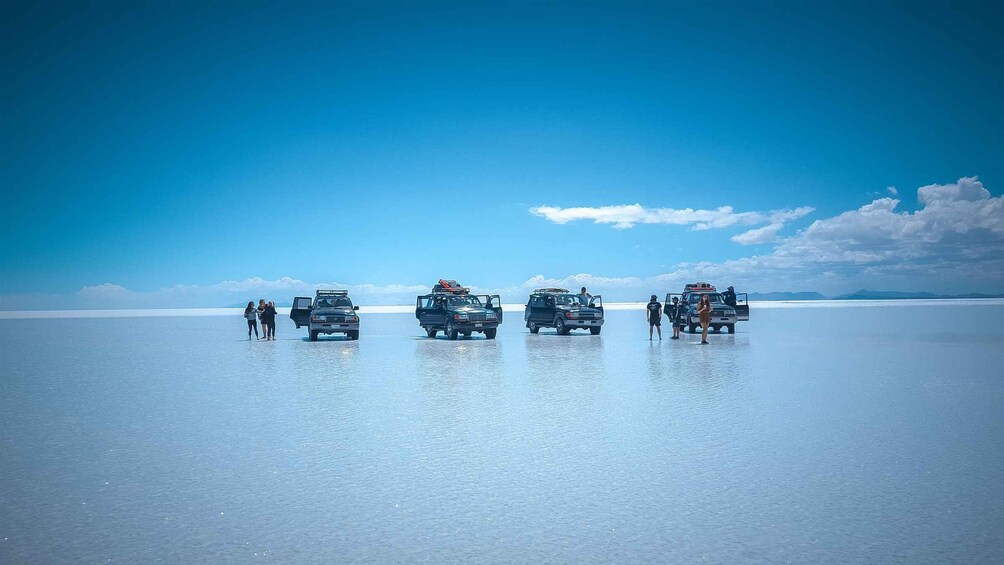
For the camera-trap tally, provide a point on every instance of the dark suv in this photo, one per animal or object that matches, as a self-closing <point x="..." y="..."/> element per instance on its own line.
<point x="330" y="312"/>
<point x="453" y="310"/>
<point x="559" y="309"/>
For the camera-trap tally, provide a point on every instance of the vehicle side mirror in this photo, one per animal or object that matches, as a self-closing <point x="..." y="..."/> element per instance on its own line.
<point x="355" y="307"/>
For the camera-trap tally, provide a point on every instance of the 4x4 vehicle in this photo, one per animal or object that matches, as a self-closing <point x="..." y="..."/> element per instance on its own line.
<point x="557" y="308"/>
<point x="330" y="312"/>
<point x="452" y="309"/>
<point x="722" y="314"/>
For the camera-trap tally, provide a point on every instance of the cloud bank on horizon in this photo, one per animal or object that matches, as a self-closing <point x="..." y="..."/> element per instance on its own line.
<point x="957" y="233"/>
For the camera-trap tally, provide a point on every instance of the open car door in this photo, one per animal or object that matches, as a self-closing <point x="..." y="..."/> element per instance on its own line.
<point x="596" y="302"/>
<point x="300" y="312"/>
<point x="742" y="307"/>
<point x="492" y="302"/>
<point x="430" y="310"/>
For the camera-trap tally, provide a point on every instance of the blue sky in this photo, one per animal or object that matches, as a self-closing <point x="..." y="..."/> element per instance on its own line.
<point x="385" y="145"/>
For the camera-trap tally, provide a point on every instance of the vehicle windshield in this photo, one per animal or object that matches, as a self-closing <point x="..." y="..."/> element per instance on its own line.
<point x="333" y="302"/>
<point x="566" y="300"/>
<point x="712" y="296"/>
<point x="462" y="301"/>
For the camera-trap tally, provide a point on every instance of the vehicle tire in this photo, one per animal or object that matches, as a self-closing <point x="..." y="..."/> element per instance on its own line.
<point x="467" y="335"/>
<point x="353" y="335"/>
<point x="595" y="331"/>
<point x="451" y="332"/>
<point x="490" y="333"/>
<point x="716" y="329"/>
<point x="431" y="332"/>
<point x="534" y="328"/>
<point x="731" y="328"/>
<point x="559" y="324"/>
<point x="313" y="336"/>
<point x="692" y="328"/>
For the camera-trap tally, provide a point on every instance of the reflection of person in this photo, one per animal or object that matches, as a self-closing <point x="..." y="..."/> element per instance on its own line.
<point x="729" y="296"/>
<point x="654" y="311"/>
<point x="270" y="316"/>
<point x="252" y="317"/>
<point x="704" y="313"/>
<point x="676" y="317"/>
<point x="584" y="297"/>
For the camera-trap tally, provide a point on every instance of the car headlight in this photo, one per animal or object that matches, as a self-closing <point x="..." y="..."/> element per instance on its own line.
<point x="316" y="318"/>
<point x="462" y="317"/>
<point x="491" y="314"/>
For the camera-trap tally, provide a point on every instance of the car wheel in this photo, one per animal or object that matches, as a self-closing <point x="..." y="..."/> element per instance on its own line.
<point x="534" y="328"/>
<point x="692" y="328"/>
<point x="559" y="324"/>
<point x="354" y="335"/>
<point x="490" y="333"/>
<point x="595" y="331"/>
<point x="731" y="328"/>
<point x="431" y="332"/>
<point x="313" y="336"/>
<point x="451" y="332"/>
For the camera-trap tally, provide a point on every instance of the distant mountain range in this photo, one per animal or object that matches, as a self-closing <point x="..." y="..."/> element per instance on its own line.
<point x="864" y="295"/>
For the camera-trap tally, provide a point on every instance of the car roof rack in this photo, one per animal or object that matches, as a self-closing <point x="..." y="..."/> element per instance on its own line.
<point x="332" y="293"/>
<point x="699" y="287"/>
<point x="449" y="286"/>
<point x="551" y="291"/>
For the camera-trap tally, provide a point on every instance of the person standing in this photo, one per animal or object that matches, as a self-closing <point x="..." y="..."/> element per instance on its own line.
<point x="261" y="317"/>
<point x="252" y="317"/>
<point x="654" y="311"/>
<point x="270" y="319"/>
<point x="704" y="314"/>
<point x="729" y="297"/>
<point x="584" y="297"/>
<point x="676" y="317"/>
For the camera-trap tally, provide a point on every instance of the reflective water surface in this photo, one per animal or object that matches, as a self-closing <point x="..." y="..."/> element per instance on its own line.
<point x="836" y="434"/>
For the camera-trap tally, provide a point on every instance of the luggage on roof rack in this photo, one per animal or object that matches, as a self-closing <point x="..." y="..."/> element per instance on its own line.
<point x="699" y="287"/>
<point x="551" y="291"/>
<point x="450" y="286"/>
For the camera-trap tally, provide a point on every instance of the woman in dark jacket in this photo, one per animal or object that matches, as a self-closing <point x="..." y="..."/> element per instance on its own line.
<point x="269" y="317"/>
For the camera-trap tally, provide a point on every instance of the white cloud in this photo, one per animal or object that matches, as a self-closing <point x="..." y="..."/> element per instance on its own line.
<point x="627" y="216"/>
<point x="769" y="233"/>
<point x="766" y="234"/>
<point x="968" y="189"/>
<point x="957" y="235"/>
<point x="892" y="190"/>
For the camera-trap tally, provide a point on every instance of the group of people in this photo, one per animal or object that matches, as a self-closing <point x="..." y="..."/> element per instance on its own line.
<point x="265" y="313"/>
<point x="677" y="314"/>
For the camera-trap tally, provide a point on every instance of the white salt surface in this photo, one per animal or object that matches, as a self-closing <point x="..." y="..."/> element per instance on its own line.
<point x="850" y="432"/>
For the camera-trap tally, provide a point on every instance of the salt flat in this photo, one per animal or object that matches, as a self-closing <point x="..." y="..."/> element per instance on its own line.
<point x="856" y="432"/>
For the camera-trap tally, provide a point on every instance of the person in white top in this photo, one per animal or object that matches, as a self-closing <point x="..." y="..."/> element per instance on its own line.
<point x="251" y="315"/>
